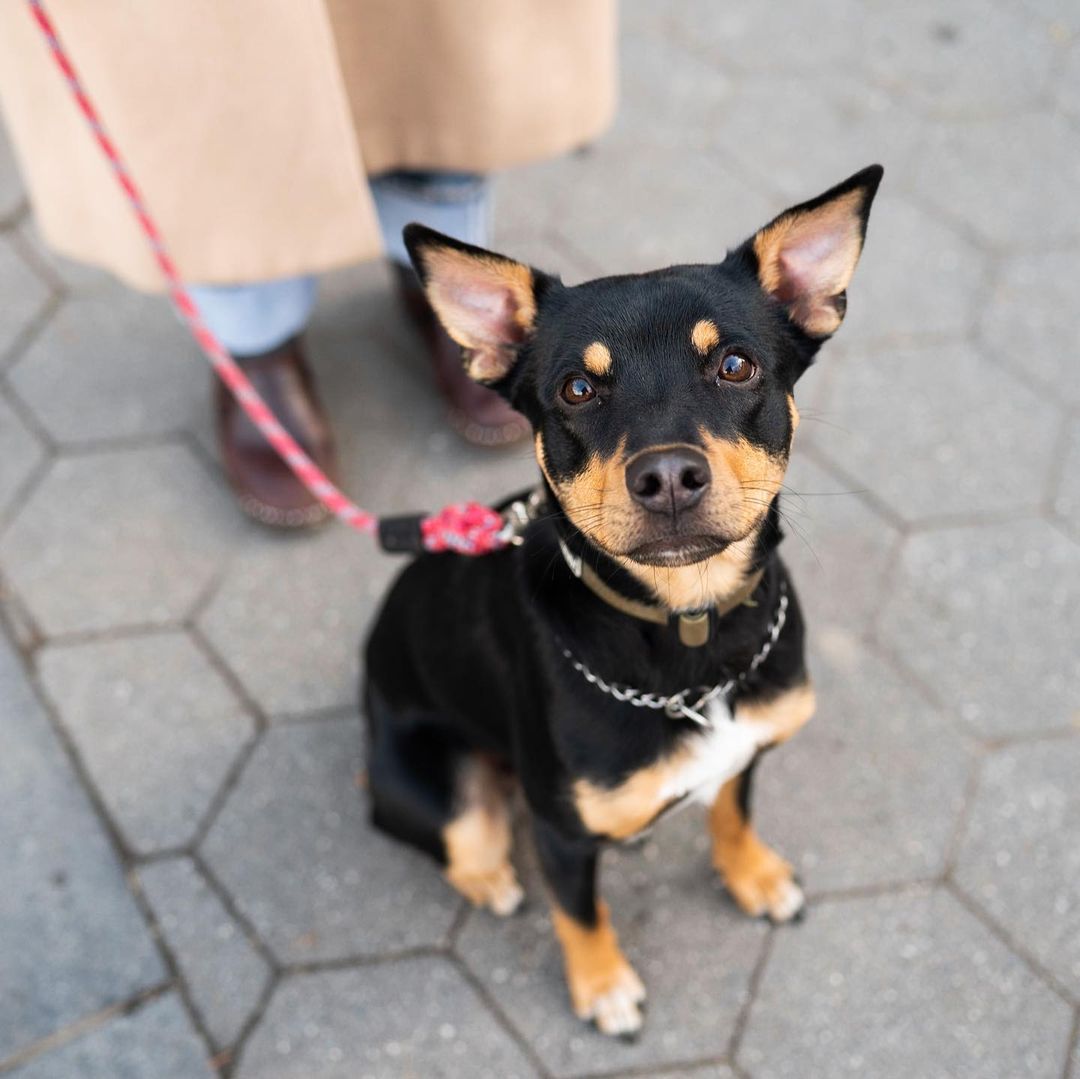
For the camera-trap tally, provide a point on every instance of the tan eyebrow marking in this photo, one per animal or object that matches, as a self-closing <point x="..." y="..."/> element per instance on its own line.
<point x="705" y="336"/>
<point x="597" y="358"/>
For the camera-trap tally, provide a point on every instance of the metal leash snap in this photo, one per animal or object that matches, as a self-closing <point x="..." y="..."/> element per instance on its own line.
<point x="518" y="516"/>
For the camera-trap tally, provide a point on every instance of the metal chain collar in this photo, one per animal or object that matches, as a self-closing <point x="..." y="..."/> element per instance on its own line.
<point x="675" y="704"/>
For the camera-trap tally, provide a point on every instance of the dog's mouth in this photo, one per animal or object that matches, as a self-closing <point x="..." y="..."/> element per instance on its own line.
<point x="677" y="550"/>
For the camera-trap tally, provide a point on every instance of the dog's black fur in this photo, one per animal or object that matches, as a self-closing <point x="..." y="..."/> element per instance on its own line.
<point x="466" y="660"/>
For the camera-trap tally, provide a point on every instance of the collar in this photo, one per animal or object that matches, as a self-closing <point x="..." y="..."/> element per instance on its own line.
<point x="693" y="625"/>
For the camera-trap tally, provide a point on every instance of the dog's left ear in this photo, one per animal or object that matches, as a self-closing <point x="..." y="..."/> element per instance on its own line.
<point x="806" y="256"/>
<point x="486" y="303"/>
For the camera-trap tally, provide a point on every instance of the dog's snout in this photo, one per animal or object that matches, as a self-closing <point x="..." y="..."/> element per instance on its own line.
<point x="668" y="480"/>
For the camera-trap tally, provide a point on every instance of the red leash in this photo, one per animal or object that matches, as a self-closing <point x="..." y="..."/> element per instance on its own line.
<point x="468" y="528"/>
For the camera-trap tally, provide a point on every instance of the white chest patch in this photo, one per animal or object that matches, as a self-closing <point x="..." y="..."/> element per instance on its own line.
<point x="717" y="755"/>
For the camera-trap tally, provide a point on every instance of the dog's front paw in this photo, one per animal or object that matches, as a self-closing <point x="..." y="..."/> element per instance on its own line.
<point x="498" y="889"/>
<point x="764" y="884"/>
<point x="612" y="1001"/>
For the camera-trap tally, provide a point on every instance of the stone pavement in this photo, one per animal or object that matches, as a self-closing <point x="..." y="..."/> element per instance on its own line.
<point x="189" y="885"/>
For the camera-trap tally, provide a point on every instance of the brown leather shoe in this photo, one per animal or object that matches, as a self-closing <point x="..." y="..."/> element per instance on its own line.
<point x="478" y="414"/>
<point x="265" y="487"/>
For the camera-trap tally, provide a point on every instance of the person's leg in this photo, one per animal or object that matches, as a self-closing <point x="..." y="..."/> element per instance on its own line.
<point x="260" y="324"/>
<point x="459" y="205"/>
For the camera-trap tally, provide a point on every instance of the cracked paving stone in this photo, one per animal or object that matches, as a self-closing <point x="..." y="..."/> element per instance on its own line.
<point x="413" y="1017"/>
<point x="855" y="800"/>
<point x="899" y="986"/>
<point x="294" y="849"/>
<point x="677" y="928"/>
<point x="25" y="296"/>
<point x="20" y="454"/>
<point x="1032" y="308"/>
<point x="118" y="538"/>
<point x="114" y="365"/>
<point x="72" y="941"/>
<point x="964" y="173"/>
<point x="1067" y="497"/>
<point x="225" y="975"/>
<point x="968" y="439"/>
<point x="982" y="617"/>
<point x="1020" y="860"/>
<point x="837" y="549"/>
<point x="155" y="1042"/>
<point x="155" y="725"/>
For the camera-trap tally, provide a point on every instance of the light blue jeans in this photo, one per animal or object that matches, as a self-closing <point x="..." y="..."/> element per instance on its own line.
<point x="257" y="317"/>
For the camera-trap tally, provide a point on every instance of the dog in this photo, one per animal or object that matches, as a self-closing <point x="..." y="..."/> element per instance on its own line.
<point x="641" y="645"/>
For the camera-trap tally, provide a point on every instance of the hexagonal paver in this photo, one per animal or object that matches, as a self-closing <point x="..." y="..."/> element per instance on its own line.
<point x="678" y="929"/>
<point x="1067" y="496"/>
<point x="25" y="297"/>
<point x="898" y="986"/>
<point x="225" y="974"/>
<point x="837" y="549"/>
<point x="71" y="937"/>
<point x="156" y="1040"/>
<point x="1028" y="325"/>
<point x="987" y="617"/>
<point x="962" y="170"/>
<point x="1020" y="859"/>
<point x="938" y="431"/>
<point x="294" y="848"/>
<point x="20" y="454"/>
<point x="821" y="129"/>
<point x="856" y="800"/>
<point x="114" y="365"/>
<point x="156" y="726"/>
<point x="118" y="538"/>
<point x="415" y="1017"/>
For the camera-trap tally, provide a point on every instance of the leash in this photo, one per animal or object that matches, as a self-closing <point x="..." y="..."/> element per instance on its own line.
<point x="468" y="528"/>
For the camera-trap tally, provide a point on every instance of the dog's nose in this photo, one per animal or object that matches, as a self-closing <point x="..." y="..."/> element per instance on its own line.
<point x="668" y="480"/>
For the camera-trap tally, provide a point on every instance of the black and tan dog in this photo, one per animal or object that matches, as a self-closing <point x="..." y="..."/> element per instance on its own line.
<point x="643" y="645"/>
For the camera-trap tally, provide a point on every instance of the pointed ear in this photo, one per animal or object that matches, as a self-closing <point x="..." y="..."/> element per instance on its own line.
<point x="485" y="302"/>
<point x="806" y="256"/>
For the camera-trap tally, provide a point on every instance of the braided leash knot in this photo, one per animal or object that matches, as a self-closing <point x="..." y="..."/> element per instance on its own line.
<point x="465" y="527"/>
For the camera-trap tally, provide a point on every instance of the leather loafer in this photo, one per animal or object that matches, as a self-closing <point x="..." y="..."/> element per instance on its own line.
<point x="477" y="413"/>
<point x="265" y="486"/>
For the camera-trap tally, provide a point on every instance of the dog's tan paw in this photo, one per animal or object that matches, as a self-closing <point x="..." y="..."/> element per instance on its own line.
<point x="613" y="1002"/>
<point x="497" y="890"/>
<point x="764" y="885"/>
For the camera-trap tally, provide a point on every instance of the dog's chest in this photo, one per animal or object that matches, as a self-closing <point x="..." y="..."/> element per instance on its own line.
<point x="695" y="771"/>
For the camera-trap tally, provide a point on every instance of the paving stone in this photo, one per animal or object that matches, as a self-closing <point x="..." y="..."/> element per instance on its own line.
<point x="900" y="432"/>
<point x="156" y="726"/>
<point x="985" y="616"/>
<point x="156" y="1041"/>
<point x="119" y="538"/>
<point x="856" y="800"/>
<point x="821" y="128"/>
<point x="1031" y="309"/>
<point x="415" y="1017"/>
<point x="20" y="454"/>
<point x="683" y="936"/>
<point x="294" y="849"/>
<point x="1020" y="860"/>
<point x="1067" y="497"/>
<point x="224" y="973"/>
<point x="25" y="297"/>
<point x="963" y="172"/>
<point x="901" y="986"/>
<point x="1069" y="90"/>
<point x="837" y="549"/>
<point x="74" y="278"/>
<point x="113" y="365"/>
<point x="71" y="937"/>
<point x="11" y="190"/>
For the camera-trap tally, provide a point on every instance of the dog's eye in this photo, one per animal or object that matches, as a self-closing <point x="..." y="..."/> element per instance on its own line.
<point x="735" y="368"/>
<point x="577" y="390"/>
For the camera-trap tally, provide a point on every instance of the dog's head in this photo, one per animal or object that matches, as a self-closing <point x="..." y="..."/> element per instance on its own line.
<point x="662" y="403"/>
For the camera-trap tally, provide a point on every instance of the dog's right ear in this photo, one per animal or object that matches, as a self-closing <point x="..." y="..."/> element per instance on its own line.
<point x="486" y="303"/>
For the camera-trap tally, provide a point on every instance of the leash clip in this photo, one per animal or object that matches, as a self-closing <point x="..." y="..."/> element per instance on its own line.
<point x="518" y="516"/>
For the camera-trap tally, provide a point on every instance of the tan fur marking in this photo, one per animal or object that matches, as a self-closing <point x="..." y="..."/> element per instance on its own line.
<point x="705" y="336"/>
<point x="786" y="713"/>
<point x="622" y="811"/>
<point x="477" y="842"/>
<point x="794" y="414"/>
<point x="597" y="359"/>
<point x="594" y="964"/>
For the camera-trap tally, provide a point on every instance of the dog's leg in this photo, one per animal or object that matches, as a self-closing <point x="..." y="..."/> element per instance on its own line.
<point x="603" y="986"/>
<point x="759" y="880"/>
<point x="477" y="840"/>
